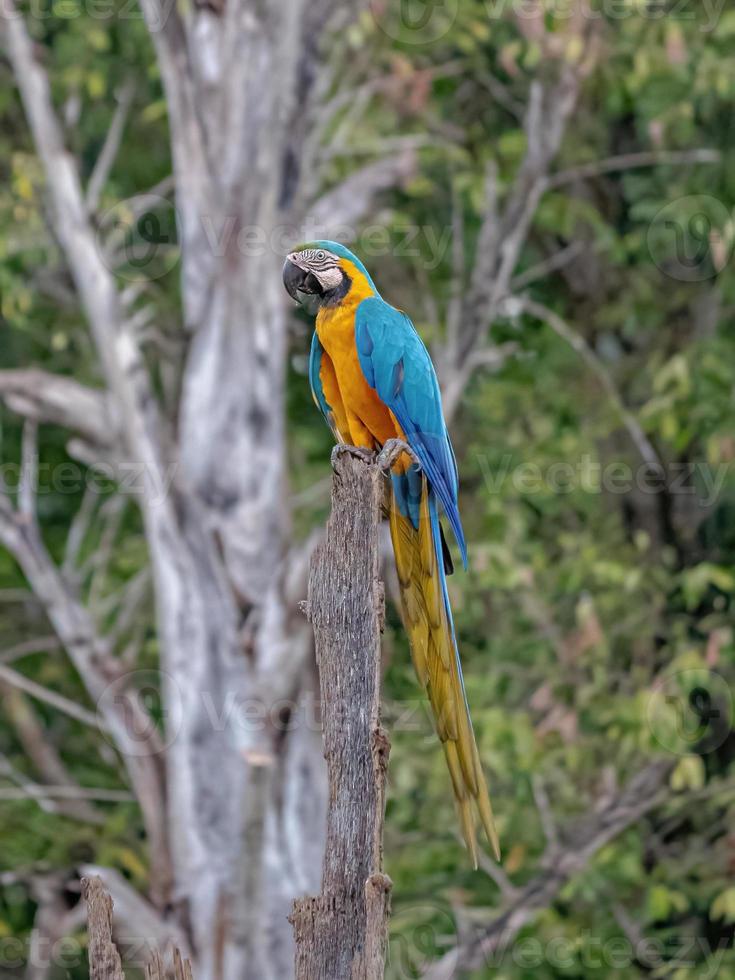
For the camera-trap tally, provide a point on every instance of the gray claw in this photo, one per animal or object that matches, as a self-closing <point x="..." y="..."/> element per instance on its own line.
<point x="390" y="452"/>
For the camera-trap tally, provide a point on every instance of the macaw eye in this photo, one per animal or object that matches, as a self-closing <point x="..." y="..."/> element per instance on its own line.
<point x="321" y="255"/>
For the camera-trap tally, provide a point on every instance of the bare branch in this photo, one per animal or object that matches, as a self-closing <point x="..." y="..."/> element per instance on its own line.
<point x="28" y="484"/>
<point x="456" y="291"/>
<point x="456" y="379"/>
<point x="58" y="701"/>
<point x="644" y="793"/>
<point x="78" y="531"/>
<point x="52" y="398"/>
<point x="488" y="240"/>
<point x="384" y="148"/>
<point x="128" y="603"/>
<point x="27" y="789"/>
<point x="112" y="512"/>
<point x="350" y="201"/>
<point x="503" y="238"/>
<point x="37" y="644"/>
<point x="491" y="357"/>
<point x="548" y="266"/>
<point x="493" y="870"/>
<point x="520" y="304"/>
<point x="632" y="161"/>
<point x="128" y="722"/>
<point x="61" y="793"/>
<point x="250" y="935"/>
<point x="545" y="815"/>
<point x="502" y="94"/>
<point x="108" y="154"/>
<point x="42" y="752"/>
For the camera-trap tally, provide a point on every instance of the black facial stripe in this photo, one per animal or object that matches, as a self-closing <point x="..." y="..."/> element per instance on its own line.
<point x="333" y="296"/>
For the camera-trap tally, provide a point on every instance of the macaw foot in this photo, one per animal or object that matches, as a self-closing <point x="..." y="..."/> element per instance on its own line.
<point x="341" y="449"/>
<point x="392" y="450"/>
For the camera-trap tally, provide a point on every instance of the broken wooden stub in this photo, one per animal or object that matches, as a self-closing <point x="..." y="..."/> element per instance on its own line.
<point x="104" y="958"/>
<point x="341" y="934"/>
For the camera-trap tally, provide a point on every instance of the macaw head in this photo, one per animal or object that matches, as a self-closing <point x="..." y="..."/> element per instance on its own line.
<point x="322" y="273"/>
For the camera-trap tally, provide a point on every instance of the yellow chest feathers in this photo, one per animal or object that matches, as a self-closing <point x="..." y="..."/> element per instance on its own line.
<point x="335" y="325"/>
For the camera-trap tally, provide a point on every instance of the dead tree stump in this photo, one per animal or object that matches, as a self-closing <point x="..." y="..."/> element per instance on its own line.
<point x="341" y="934"/>
<point x="104" y="958"/>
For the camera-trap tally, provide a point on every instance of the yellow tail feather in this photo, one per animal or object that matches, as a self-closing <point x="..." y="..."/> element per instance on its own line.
<point x="435" y="658"/>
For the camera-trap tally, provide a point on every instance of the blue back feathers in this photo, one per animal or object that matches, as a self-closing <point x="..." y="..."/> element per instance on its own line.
<point x="398" y="366"/>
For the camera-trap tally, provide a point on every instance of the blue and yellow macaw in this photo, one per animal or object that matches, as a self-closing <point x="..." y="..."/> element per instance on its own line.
<point x="373" y="380"/>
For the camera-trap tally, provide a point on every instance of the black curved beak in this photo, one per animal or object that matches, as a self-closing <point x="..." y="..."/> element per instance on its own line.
<point x="293" y="278"/>
<point x="298" y="281"/>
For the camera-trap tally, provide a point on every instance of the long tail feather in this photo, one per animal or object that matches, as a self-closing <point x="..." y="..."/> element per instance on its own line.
<point x="428" y="620"/>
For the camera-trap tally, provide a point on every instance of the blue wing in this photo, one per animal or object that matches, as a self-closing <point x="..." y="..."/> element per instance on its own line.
<point x="398" y="366"/>
<point x="315" y="364"/>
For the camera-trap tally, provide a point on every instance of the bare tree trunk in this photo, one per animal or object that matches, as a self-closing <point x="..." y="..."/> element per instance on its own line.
<point x="342" y="932"/>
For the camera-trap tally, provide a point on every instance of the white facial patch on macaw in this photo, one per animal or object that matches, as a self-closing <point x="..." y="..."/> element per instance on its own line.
<point x="321" y="264"/>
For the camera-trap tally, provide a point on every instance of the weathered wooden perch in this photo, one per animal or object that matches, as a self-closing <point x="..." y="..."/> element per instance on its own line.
<point x="104" y="959"/>
<point x="341" y="934"/>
